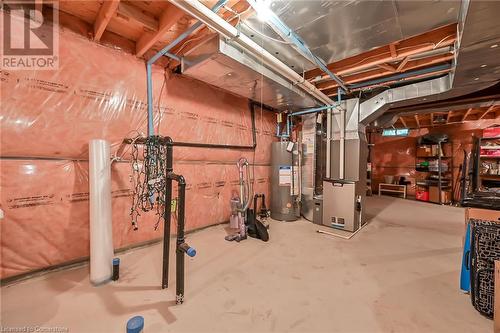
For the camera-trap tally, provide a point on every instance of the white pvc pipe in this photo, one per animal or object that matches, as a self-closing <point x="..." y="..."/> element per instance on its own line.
<point x="198" y="10"/>
<point x="342" y="145"/>
<point x="101" y="232"/>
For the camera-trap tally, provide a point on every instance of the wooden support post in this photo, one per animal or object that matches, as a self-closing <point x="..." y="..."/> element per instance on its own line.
<point x="496" y="319"/>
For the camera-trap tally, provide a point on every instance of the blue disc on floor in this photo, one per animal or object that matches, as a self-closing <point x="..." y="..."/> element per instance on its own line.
<point x="135" y="324"/>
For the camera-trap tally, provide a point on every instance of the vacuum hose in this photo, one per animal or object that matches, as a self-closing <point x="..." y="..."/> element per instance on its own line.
<point x="246" y="188"/>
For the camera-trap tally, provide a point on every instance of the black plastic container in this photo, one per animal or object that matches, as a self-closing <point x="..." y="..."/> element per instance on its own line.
<point x="116" y="269"/>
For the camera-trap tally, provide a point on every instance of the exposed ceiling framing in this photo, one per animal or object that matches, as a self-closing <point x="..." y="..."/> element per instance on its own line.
<point x="145" y="27"/>
<point x="422" y="120"/>
<point x="419" y="52"/>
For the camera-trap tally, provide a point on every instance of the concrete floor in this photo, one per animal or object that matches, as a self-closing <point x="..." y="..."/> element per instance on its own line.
<point x="399" y="274"/>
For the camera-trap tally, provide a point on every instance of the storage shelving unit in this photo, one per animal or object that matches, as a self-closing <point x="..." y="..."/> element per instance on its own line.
<point x="444" y="181"/>
<point x="484" y="180"/>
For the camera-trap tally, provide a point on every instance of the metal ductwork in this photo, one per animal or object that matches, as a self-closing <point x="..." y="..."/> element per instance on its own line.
<point x="244" y="43"/>
<point x="221" y="63"/>
<point x="476" y="67"/>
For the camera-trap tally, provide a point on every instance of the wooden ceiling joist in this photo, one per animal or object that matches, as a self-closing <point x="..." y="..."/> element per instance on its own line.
<point x="132" y="13"/>
<point x="387" y="67"/>
<point x="241" y="7"/>
<point x="417" y="121"/>
<point x="402" y="120"/>
<point x="488" y="110"/>
<point x="105" y="14"/>
<point x="333" y="92"/>
<point x="378" y="73"/>
<point x="170" y="16"/>
<point x="402" y="64"/>
<point x="448" y="116"/>
<point x="445" y="35"/>
<point x="464" y="117"/>
<point x="393" y="50"/>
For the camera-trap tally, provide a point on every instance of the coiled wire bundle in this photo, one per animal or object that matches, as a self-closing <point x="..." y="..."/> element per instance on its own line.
<point x="149" y="161"/>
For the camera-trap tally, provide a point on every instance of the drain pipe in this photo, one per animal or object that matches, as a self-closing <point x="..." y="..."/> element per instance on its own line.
<point x="198" y="10"/>
<point x="164" y="52"/>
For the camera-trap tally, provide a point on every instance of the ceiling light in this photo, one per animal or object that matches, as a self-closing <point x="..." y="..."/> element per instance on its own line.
<point x="494" y="46"/>
<point x="483" y="65"/>
<point x="476" y="78"/>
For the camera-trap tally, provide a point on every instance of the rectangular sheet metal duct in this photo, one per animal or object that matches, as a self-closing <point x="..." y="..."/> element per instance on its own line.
<point x="221" y="64"/>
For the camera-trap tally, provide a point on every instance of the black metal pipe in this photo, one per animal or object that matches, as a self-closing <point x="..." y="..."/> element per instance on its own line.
<point x="167" y="211"/>
<point x="181" y="246"/>
<point x="251" y="107"/>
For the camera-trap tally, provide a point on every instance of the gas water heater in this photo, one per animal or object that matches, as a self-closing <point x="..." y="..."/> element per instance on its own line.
<point x="285" y="181"/>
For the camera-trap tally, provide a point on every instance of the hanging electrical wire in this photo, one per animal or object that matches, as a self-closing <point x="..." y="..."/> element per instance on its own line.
<point x="148" y="179"/>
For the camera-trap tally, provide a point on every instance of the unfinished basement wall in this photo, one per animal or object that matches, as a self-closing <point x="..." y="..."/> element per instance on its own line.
<point x="48" y="118"/>
<point x="395" y="156"/>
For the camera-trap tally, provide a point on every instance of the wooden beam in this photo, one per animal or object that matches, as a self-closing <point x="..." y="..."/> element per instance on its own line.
<point x="105" y="14"/>
<point x="86" y="29"/>
<point x="378" y="73"/>
<point x="387" y="67"/>
<point x="448" y="116"/>
<point x="242" y="7"/>
<point x="392" y="49"/>
<point x="464" y="117"/>
<point x="170" y="16"/>
<point x="131" y="13"/>
<point x="401" y="119"/>
<point x="486" y="112"/>
<point x="417" y="120"/>
<point x="411" y="46"/>
<point x="402" y="64"/>
<point x="496" y="301"/>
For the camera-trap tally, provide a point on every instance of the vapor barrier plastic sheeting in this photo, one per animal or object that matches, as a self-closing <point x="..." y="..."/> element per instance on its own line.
<point x="99" y="92"/>
<point x="46" y="206"/>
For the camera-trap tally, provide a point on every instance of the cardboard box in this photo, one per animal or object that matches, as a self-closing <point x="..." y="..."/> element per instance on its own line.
<point x="434" y="195"/>
<point x="424" y="151"/>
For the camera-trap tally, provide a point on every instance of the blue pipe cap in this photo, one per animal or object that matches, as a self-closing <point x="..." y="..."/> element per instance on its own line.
<point x="191" y="252"/>
<point x="135" y="324"/>
<point x="116" y="261"/>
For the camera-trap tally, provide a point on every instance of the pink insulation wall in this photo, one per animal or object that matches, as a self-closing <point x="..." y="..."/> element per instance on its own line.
<point x="395" y="156"/>
<point x="48" y="118"/>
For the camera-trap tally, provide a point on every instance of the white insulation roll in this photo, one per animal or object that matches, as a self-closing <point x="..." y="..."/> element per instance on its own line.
<point x="101" y="232"/>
